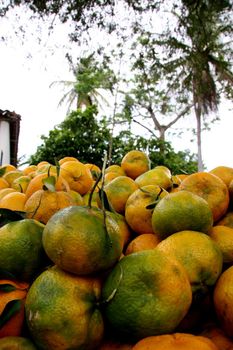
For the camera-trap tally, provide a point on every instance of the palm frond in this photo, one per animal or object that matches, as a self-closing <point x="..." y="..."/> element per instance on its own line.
<point x="62" y="82"/>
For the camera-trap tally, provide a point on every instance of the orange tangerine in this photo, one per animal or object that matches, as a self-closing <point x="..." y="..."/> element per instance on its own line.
<point x="10" y="176"/>
<point x="82" y="240"/>
<point x="226" y="220"/>
<point x="211" y="188"/>
<point x="225" y="173"/>
<point x="77" y="175"/>
<point x="3" y="183"/>
<point x="37" y="183"/>
<point x="125" y="231"/>
<point x="67" y="159"/>
<point x="143" y="242"/>
<point x="118" y="191"/>
<point x="29" y="169"/>
<point x="115" y="168"/>
<point x="42" y="164"/>
<point x="5" y="191"/>
<point x="21" y="250"/>
<point x="182" y="210"/>
<point x="135" y="163"/>
<point x="140" y="205"/>
<point x="223" y="237"/>
<point x="198" y="254"/>
<point x="13" y="201"/>
<point x="175" y="341"/>
<point x="43" y="204"/>
<point x="110" y="176"/>
<point x="62" y="311"/>
<point x="160" y="176"/>
<point x="146" y="293"/>
<point x="223" y="300"/>
<point x="230" y="188"/>
<point x="78" y="199"/>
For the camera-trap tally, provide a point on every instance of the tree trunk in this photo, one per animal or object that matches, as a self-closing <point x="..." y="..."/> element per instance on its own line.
<point x="162" y="138"/>
<point x="199" y="144"/>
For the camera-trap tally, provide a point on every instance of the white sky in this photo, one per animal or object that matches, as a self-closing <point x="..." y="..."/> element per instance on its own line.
<point x="24" y="88"/>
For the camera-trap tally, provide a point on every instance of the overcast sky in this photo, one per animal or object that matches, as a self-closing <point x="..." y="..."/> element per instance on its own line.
<point x="25" y="89"/>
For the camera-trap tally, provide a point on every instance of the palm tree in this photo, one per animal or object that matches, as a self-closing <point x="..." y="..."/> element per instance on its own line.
<point x="91" y="79"/>
<point x="202" y="55"/>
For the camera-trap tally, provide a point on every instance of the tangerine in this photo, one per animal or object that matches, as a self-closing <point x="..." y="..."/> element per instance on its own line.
<point x="142" y="242"/>
<point x="160" y="176"/>
<point x="146" y="293"/>
<point x="211" y="188"/>
<point x="82" y="240"/>
<point x="199" y="254"/>
<point x="175" y="341"/>
<point x="62" y="311"/>
<point x="182" y="210"/>
<point x="118" y="191"/>
<point x="21" y="250"/>
<point x="223" y="300"/>
<point x="77" y="175"/>
<point x="140" y="205"/>
<point x="134" y="163"/>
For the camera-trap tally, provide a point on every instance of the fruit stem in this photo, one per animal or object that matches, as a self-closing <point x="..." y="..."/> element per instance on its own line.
<point x="102" y="198"/>
<point x="102" y="187"/>
<point x="93" y="189"/>
<point x="58" y="167"/>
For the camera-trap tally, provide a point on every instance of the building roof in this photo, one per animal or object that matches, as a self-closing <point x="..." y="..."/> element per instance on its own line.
<point x="14" y="120"/>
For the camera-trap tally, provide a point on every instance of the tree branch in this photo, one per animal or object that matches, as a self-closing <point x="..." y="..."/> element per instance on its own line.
<point x="180" y="115"/>
<point x="145" y="127"/>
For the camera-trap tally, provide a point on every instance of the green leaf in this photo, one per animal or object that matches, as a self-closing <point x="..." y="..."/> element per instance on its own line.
<point x="146" y="192"/>
<point x="152" y="205"/>
<point x="93" y="189"/>
<point x="7" y="288"/>
<point x="104" y="201"/>
<point x="10" y="310"/>
<point x="49" y="183"/>
<point x="2" y="171"/>
<point x="95" y="174"/>
<point x="8" y="215"/>
<point x="157" y="199"/>
<point x="21" y="188"/>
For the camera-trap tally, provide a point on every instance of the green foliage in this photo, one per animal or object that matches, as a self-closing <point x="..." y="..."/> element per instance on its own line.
<point x="181" y="162"/>
<point x="156" y="99"/>
<point x="83" y="136"/>
<point x="85" y="14"/>
<point x="76" y="136"/>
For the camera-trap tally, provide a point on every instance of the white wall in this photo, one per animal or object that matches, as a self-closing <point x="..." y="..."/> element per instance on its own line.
<point x="5" y="141"/>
